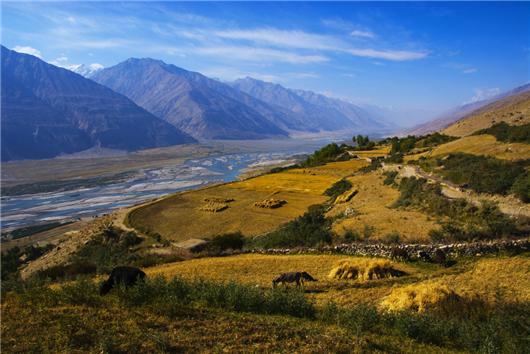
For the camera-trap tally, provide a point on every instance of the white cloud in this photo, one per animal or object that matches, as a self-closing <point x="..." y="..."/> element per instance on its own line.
<point x="364" y="34"/>
<point x="28" y="50"/>
<point x="484" y="94"/>
<point x="292" y="39"/>
<point x="394" y="55"/>
<point x="304" y="40"/>
<point x="258" y="54"/>
<point x="469" y="71"/>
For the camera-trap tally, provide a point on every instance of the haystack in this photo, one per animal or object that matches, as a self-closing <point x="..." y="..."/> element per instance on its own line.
<point x="213" y="207"/>
<point x="346" y="197"/>
<point x="219" y="199"/>
<point x="426" y="296"/>
<point x="270" y="203"/>
<point x="365" y="269"/>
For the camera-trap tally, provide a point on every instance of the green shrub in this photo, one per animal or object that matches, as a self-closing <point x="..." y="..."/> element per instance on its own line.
<point x="363" y="142"/>
<point x="467" y="222"/>
<point x="328" y="153"/>
<point x="509" y="133"/>
<point x="521" y="187"/>
<point x="67" y="271"/>
<point x="480" y="173"/>
<point x="390" y="178"/>
<point x="230" y="241"/>
<point x="338" y="188"/>
<point x="80" y="292"/>
<point x="310" y="229"/>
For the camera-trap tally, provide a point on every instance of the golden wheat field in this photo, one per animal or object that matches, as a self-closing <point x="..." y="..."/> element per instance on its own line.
<point x="373" y="215"/>
<point x="486" y="278"/>
<point x="179" y="217"/>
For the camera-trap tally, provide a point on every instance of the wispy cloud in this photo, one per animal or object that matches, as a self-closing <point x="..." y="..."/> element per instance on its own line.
<point x="469" y="71"/>
<point x="463" y="68"/>
<point x="395" y="55"/>
<point x="484" y="94"/>
<point x="28" y="50"/>
<point x="253" y="54"/>
<point x="364" y="34"/>
<point x="305" y="40"/>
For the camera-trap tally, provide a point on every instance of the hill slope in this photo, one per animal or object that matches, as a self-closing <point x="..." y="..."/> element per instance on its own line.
<point x="463" y="112"/>
<point x="513" y="109"/>
<point x="48" y="111"/>
<point x="200" y="106"/>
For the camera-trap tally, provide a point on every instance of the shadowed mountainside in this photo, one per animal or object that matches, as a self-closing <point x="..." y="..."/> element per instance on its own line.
<point x="200" y="106"/>
<point x="48" y="111"/>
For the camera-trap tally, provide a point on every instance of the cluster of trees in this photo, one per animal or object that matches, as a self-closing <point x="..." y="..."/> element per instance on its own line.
<point x="509" y="133"/>
<point x="363" y="142"/>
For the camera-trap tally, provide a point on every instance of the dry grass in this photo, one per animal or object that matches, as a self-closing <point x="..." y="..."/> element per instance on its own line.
<point x="485" y="145"/>
<point x="364" y="269"/>
<point x="346" y="197"/>
<point x="213" y="207"/>
<point x="514" y="110"/>
<point x="372" y="203"/>
<point x="484" y="277"/>
<point x="177" y="217"/>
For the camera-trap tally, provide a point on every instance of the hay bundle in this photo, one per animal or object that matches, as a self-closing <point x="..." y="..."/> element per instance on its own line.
<point x="427" y="296"/>
<point x="213" y="207"/>
<point x="218" y="200"/>
<point x="270" y="203"/>
<point x="346" y="197"/>
<point x="364" y="269"/>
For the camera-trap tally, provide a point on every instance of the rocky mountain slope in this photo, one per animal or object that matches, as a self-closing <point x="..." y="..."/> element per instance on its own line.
<point x="200" y="106"/>
<point x="48" y="111"/>
<point x="312" y="111"/>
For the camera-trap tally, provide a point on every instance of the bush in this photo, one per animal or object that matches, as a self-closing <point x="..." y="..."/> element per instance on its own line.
<point x="230" y="241"/>
<point x="338" y="188"/>
<point x="363" y="142"/>
<point x="521" y="187"/>
<point x="390" y="178"/>
<point x="67" y="271"/>
<point x="466" y="221"/>
<point x="509" y="133"/>
<point x="480" y="173"/>
<point x="310" y="229"/>
<point x="328" y="153"/>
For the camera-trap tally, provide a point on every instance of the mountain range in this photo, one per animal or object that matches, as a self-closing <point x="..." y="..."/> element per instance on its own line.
<point x="48" y="111"/>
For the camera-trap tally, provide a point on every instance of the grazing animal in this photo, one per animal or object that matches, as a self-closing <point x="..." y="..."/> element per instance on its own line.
<point x="121" y="275"/>
<point x="399" y="254"/>
<point x="439" y="256"/>
<point x="293" y="277"/>
<point x="424" y="256"/>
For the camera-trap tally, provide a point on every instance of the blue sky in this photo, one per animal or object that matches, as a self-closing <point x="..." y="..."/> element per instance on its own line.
<point x="420" y="58"/>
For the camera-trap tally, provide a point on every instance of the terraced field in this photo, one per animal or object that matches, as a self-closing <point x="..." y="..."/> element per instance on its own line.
<point x="178" y="217"/>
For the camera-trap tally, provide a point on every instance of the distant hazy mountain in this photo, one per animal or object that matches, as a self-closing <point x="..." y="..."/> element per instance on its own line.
<point x="459" y="113"/>
<point x="84" y="69"/>
<point x="48" y="111"/>
<point x="312" y="111"/>
<point x="200" y="106"/>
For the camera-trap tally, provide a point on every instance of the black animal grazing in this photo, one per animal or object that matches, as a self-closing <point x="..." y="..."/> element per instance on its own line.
<point x="439" y="256"/>
<point x="121" y="275"/>
<point x="424" y="256"/>
<point x="399" y="254"/>
<point x="293" y="277"/>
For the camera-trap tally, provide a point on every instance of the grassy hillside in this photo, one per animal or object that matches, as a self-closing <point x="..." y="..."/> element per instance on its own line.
<point x="514" y="110"/>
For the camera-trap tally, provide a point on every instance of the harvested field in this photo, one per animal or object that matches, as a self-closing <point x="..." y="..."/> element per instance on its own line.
<point x="346" y="197"/>
<point x="373" y="217"/>
<point x="178" y="217"/>
<point x="486" y="277"/>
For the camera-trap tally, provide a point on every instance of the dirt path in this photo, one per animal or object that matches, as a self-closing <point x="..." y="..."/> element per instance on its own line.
<point x="507" y="204"/>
